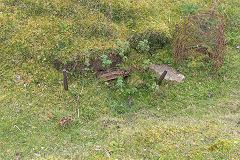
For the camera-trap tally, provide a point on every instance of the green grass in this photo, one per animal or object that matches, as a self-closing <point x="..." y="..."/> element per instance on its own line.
<point x="174" y="121"/>
<point x="197" y="119"/>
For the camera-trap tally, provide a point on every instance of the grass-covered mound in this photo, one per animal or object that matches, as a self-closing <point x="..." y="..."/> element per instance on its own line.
<point x="46" y="29"/>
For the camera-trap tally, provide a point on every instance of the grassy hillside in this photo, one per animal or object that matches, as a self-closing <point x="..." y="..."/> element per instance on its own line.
<point x="45" y="29"/>
<point x="127" y="119"/>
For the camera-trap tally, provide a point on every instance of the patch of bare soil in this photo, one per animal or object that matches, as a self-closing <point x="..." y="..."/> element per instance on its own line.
<point x="95" y="64"/>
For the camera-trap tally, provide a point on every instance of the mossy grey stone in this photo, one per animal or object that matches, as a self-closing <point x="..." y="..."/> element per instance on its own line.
<point x="172" y="74"/>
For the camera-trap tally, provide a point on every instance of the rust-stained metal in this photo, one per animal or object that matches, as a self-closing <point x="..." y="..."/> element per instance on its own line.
<point x="65" y="81"/>
<point x="56" y="63"/>
<point x="162" y="77"/>
<point x="201" y="33"/>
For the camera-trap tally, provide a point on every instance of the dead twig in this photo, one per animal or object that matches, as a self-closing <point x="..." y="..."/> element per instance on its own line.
<point x="82" y="88"/>
<point x="17" y="127"/>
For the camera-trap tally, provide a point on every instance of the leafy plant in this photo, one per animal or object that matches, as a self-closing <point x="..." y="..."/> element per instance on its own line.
<point x="146" y="63"/>
<point x="168" y="60"/>
<point x="124" y="48"/>
<point x="143" y="46"/>
<point x="120" y="83"/>
<point x="180" y="69"/>
<point x="105" y="61"/>
<point x="152" y="86"/>
<point x="131" y="91"/>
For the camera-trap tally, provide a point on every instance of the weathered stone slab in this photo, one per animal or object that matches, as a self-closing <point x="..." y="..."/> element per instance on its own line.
<point x="172" y="74"/>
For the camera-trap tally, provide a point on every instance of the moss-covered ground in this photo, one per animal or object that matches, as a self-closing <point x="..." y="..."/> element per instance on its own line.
<point x="197" y="119"/>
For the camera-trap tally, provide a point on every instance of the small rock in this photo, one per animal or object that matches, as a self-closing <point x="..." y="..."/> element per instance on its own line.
<point x="37" y="155"/>
<point x="18" y="77"/>
<point x="238" y="47"/>
<point x="172" y="74"/>
<point x="193" y="143"/>
<point x="64" y="152"/>
<point x="210" y="94"/>
<point x="17" y="156"/>
<point x="97" y="148"/>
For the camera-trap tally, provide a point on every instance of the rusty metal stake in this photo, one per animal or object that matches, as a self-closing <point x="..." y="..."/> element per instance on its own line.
<point x="162" y="77"/>
<point x="65" y="79"/>
<point x="56" y="63"/>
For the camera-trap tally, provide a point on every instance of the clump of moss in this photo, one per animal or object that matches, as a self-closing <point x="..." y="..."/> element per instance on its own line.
<point x="120" y="10"/>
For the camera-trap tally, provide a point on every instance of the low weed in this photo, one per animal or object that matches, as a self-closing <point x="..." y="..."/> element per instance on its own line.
<point x="105" y="61"/>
